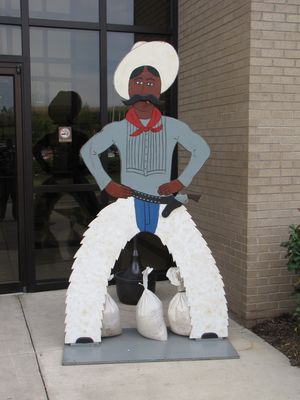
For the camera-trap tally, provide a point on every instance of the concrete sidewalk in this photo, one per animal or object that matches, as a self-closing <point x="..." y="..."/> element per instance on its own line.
<point x="32" y="336"/>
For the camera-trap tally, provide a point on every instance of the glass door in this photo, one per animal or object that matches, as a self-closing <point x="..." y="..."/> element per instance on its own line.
<point x="11" y="191"/>
<point x="65" y="101"/>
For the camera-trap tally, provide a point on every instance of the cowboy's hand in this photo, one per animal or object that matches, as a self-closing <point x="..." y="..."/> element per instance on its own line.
<point x="117" y="190"/>
<point x="170" y="187"/>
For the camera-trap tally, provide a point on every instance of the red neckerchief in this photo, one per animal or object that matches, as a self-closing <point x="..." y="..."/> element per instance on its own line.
<point x="134" y="120"/>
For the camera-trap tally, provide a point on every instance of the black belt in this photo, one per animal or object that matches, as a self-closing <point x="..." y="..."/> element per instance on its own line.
<point x="170" y="201"/>
<point x="151" y="198"/>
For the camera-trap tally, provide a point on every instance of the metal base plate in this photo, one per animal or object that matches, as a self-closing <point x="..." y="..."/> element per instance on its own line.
<point x="130" y="347"/>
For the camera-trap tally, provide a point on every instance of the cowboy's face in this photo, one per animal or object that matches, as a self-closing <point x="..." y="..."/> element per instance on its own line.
<point x="144" y="84"/>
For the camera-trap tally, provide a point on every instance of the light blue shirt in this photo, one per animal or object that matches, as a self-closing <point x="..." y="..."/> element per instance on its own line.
<point x="146" y="160"/>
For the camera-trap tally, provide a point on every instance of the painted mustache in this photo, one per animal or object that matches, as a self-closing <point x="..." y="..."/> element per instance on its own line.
<point x="138" y="97"/>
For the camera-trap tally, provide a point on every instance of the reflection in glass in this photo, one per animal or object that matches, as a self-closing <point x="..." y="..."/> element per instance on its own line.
<point x="10" y="40"/>
<point x="58" y="232"/>
<point x="68" y="10"/>
<point x="65" y="113"/>
<point x="10" y="8"/>
<point x="139" y="12"/>
<point x="8" y="207"/>
<point x="118" y="45"/>
<point x="66" y="62"/>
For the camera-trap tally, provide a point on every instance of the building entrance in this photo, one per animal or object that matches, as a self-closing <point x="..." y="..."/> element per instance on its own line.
<point x="56" y="91"/>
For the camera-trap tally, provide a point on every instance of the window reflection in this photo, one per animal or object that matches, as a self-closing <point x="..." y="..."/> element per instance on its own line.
<point x="118" y="45"/>
<point x="69" y="10"/>
<point x="63" y="61"/>
<point x="139" y="12"/>
<point x="60" y="218"/>
<point x="10" y="8"/>
<point x="58" y="232"/>
<point x="65" y="113"/>
<point x="10" y="40"/>
<point x="57" y="152"/>
<point x="8" y="177"/>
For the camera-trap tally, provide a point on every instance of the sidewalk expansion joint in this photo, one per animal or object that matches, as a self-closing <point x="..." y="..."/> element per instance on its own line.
<point x="34" y="349"/>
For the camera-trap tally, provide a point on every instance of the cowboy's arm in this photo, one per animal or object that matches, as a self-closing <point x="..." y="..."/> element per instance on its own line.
<point x="91" y="152"/>
<point x="199" y="150"/>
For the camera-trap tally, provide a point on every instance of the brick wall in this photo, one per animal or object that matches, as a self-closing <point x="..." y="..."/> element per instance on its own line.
<point x="239" y="87"/>
<point x="214" y="48"/>
<point x="274" y="153"/>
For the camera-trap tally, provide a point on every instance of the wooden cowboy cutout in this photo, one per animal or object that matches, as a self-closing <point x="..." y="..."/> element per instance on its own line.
<point x="146" y="141"/>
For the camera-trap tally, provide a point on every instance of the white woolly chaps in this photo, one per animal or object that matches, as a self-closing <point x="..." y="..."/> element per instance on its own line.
<point x="103" y="241"/>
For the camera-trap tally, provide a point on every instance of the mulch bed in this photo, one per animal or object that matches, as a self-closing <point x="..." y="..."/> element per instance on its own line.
<point x="283" y="333"/>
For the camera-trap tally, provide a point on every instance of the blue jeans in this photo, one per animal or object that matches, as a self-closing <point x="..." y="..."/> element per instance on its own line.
<point x="146" y="214"/>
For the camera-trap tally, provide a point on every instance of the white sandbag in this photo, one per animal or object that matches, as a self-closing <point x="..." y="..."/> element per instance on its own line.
<point x="111" y="324"/>
<point x="173" y="274"/>
<point x="178" y="311"/>
<point x="179" y="315"/>
<point x="149" y="313"/>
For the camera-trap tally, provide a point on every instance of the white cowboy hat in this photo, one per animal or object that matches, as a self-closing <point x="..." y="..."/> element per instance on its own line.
<point x="160" y="55"/>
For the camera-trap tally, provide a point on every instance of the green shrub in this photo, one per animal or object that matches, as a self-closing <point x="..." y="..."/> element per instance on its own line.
<point x="293" y="254"/>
